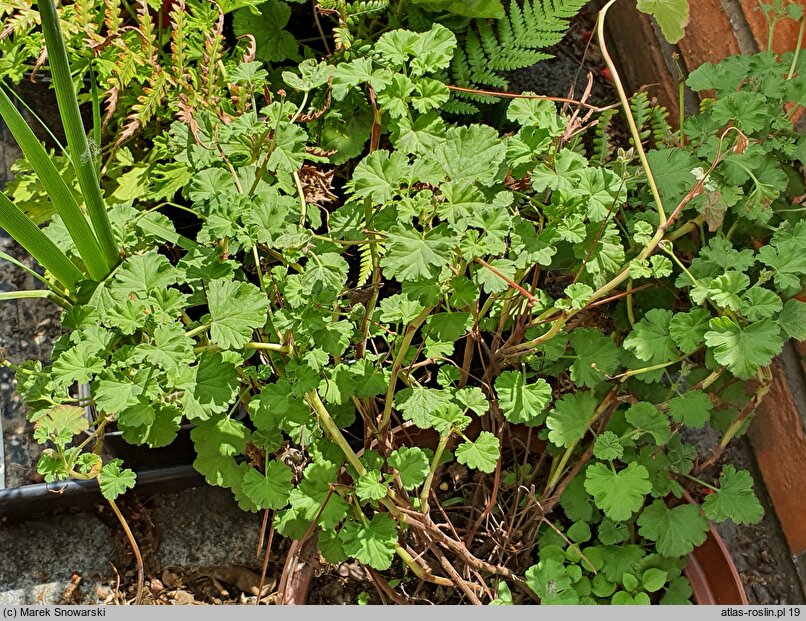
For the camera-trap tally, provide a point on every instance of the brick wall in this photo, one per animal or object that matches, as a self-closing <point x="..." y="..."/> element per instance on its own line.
<point x="716" y="29"/>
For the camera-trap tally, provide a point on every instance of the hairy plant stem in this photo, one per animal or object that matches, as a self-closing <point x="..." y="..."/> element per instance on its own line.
<point x="61" y="293"/>
<point x="36" y="294"/>
<point x="303" y="204"/>
<point x="419" y="571"/>
<point x="443" y="442"/>
<point x="765" y="378"/>
<point x="197" y="330"/>
<point x="332" y="429"/>
<point x="796" y="54"/>
<point x="397" y="365"/>
<point x="699" y="481"/>
<point x="256" y="256"/>
<point x="505" y="95"/>
<point x="625" y="103"/>
<point x="655" y="367"/>
<point x="630" y="309"/>
<point x="135" y="548"/>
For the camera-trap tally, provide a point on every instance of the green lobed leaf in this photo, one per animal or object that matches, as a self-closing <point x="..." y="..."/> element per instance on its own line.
<point x="209" y="387"/>
<point x="618" y="493"/>
<point x="607" y="447"/>
<point x="379" y="175"/>
<point x="521" y="402"/>
<point x="647" y="418"/>
<point x="743" y="349"/>
<point x="237" y="309"/>
<point x="550" y="580"/>
<point x="735" y="499"/>
<point x="60" y="424"/>
<point x="411" y="464"/>
<point x="416" y="404"/>
<point x="650" y="339"/>
<point x="114" y="480"/>
<point x="688" y="329"/>
<point x="793" y="319"/>
<point x="412" y="255"/>
<point x="676" y="531"/>
<point x="597" y="357"/>
<point x="370" y="486"/>
<point x="481" y="454"/>
<point x="372" y="544"/>
<point x="218" y="442"/>
<point x="471" y="154"/>
<point x="568" y="421"/>
<point x="692" y="408"/>
<point x="270" y="490"/>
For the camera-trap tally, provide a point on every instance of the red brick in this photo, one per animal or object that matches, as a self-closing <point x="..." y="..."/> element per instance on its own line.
<point x="709" y="35"/>
<point x="786" y="30"/>
<point x="779" y="442"/>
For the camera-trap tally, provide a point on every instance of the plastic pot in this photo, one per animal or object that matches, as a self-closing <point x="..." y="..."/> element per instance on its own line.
<point x="18" y="504"/>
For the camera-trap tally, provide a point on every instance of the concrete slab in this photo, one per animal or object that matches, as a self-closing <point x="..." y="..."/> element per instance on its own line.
<point x="196" y="528"/>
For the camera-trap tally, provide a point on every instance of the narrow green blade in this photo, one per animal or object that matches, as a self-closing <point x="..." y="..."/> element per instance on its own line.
<point x="166" y="234"/>
<point x="30" y="294"/>
<point x="24" y="294"/>
<point x="77" y="143"/>
<point x="60" y="194"/>
<point x="28" y="235"/>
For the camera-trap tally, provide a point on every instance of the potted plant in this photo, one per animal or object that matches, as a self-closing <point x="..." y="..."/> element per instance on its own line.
<point x="366" y="265"/>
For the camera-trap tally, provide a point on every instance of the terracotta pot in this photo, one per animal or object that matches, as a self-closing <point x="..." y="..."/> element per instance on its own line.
<point x="711" y="571"/>
<point x="713" y="575"/>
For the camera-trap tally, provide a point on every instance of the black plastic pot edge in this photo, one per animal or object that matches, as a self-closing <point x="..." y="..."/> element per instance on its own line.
<point x="19" y="504"/>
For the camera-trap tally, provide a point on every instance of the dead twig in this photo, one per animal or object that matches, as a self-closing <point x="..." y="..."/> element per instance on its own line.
<point x="503" y="95"/>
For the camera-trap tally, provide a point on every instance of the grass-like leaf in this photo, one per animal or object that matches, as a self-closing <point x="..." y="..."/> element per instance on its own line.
<point x="62" y="197"/>
<point x="78" y="145"/>
<point x="28" y="235"/>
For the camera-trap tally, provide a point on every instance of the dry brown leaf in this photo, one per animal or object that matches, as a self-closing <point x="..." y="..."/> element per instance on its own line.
<point x="241" y="578"/>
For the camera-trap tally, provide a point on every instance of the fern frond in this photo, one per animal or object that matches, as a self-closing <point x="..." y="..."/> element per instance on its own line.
<point x="639" y="104"/>
<point x="365" y="269"/>
<point x="457" y="106"/>
<point x="602" y="147"/>
<point x="179" y="41"/>
<point x="364" y="8"/>
<point x="123" y="71"/>
<point x="23" y="18"/>
<point x="11" y="6"/>
<point x="658" y="121"/>
<point x="514" y="42"/>
<point x="112" y="19"/>
<point x="146" y="107"/>
<point x="343" y="38"/>
<point x="145" y="25"/>
<point x="84" y="13"/>
<point x="211" y="57"/>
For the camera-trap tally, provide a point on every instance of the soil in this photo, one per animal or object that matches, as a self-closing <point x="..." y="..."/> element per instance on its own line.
<point x="27" y="331"/>
<point x="566" y="74"/>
